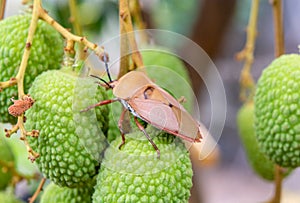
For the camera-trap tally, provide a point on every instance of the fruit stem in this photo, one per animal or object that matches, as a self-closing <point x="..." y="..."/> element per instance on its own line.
<point x="9" y="83"/>
<point x="278" y="184"/>
<point x="26" y="53"/>
<point x="2" y="8"/>
<point x="136" y="12"/>
<point x="20" y="78"/>
<point x="126" y="30"/>
<point x="124" y="47"/>
<point x="77" y="28"/>
<point x="278" y="26"/>
<point x="279" y="50"/>
<point x="99" y="51"/>
<point x="38" y="190"/>
<point x="247" y="55"/>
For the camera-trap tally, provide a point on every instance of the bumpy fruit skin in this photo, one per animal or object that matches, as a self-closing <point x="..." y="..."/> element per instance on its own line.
<point x="6" y="155"/>
<point x="264" y="167"/>
<point x="55" y="193"/>
<point x="70" y="142"/>
<point x="8" y="198"/>
<point x="277" y="111"/>
<point x="46" y="53"/>
<point x="135" y="174"/>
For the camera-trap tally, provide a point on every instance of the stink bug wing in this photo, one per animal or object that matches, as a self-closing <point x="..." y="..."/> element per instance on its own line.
<point x="187" y="124"/>
<point x="130" y="83"/>
<point x="156" y="113"/>
<point x="167" y="118"/>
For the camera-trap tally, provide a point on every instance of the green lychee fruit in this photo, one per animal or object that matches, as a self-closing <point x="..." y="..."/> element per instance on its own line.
<point x="277" y="111"/>
<point x="8" y="198"/>
<point x="46" y="53"/>
<point x="264" y="167"/>
<point x="70" y="142"/>
<point x="170" y="73"/>
<point x="7" y="158"/>
<point x="57" y="194"/>
<point x="134" y="173"/>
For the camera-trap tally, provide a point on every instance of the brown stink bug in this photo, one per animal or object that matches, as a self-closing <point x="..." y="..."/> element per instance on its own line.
<point x="147" y="101"/>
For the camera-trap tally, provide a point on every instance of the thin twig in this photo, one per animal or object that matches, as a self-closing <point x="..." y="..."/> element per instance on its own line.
<point x="278" y="185"/>
<point x="38" y="190"/>
<point x="74" y="19"/>
<point x="2" y="8"/>
<point x="278" y="26"/>
<point x="247" y="55"/>
<point x="25" y="57"/>
<point x="20" y="82"/>
<point x="279" y="50"/>
<point x="136" y="12"/>
<point x="124" y="46"/>
<point x="126" y="24"/>
<point x="99" y="51"/>
<point x="9" y="83"/>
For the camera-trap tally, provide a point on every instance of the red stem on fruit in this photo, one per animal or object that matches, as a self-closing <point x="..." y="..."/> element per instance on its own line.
<point x="38" y="190"/>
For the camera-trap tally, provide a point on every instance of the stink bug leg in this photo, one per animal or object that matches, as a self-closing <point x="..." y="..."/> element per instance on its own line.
<point x="121" y="128"/>
<point x="140" y="126"/>
<point x="99" y="104"/>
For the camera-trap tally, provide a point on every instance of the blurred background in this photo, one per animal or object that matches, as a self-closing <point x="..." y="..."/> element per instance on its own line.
<point x="218" y="27"/>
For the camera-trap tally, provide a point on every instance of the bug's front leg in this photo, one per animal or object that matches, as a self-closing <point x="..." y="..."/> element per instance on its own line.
<point x="120" y="125"/>
<point x="140" y="126"/>
<point x="99" y="104"/>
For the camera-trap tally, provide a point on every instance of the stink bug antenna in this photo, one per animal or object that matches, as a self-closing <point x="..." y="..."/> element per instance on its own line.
<point x="105" y="60"/>
<point x="101" y="79"/>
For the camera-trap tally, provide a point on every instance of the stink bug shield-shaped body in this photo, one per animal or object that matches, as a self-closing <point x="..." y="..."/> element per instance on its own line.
<point x="147" y="101"/>
<point x="156" y="106"/>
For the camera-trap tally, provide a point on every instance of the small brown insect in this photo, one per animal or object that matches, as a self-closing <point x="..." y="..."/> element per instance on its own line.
<point x="20" y="106"/>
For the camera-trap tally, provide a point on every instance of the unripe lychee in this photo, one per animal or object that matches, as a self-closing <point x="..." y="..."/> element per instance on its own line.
<point x="135" y="174"/>
<point x="70" y="142"/>
<point x="277" y="111"/>
<point x="54" y="193"/>
<point x="46" y="53"/>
